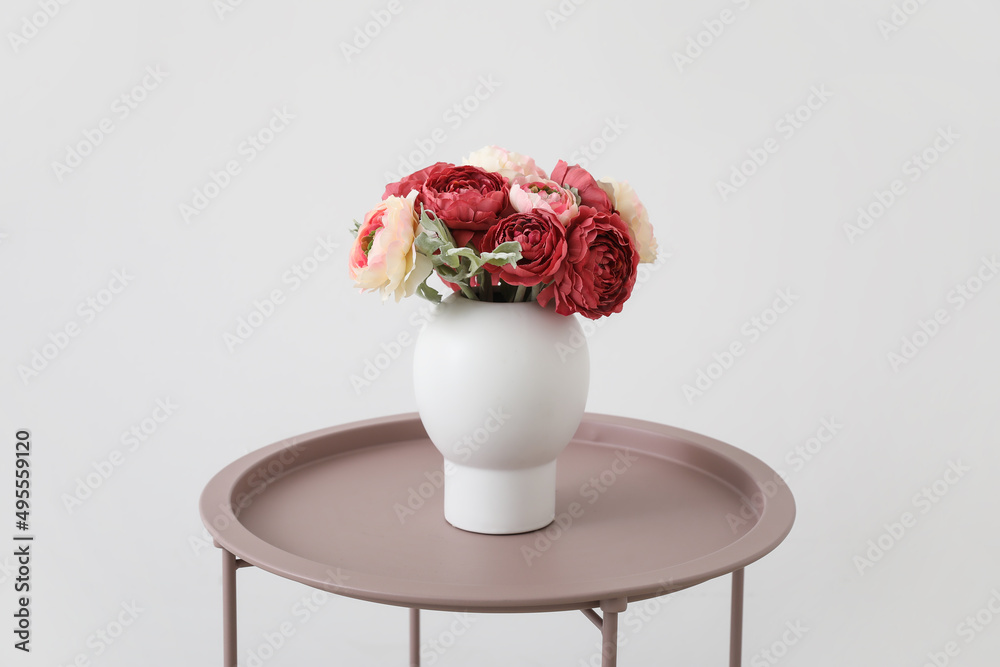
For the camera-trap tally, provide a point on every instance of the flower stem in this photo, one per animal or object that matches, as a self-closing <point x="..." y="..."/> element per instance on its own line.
<point x="486" y="280"/>
<point x="468" y="292"/>
<point x="535" y="289"/>
<point x="519" y="295"/>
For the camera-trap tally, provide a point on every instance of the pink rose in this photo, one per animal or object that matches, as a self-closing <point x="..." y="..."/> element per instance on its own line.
<point x="543" y="247"/>
<point x="465" y="198"/>
<point x="600" y="267"/>
<point x="383" y="256"/>
<point x="591" y="194"/>
<point x="544" y="195"/>
<point x="402" y="187"/>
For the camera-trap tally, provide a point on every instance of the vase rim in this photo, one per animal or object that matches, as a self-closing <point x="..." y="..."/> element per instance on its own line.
<point x="458" y="297"/>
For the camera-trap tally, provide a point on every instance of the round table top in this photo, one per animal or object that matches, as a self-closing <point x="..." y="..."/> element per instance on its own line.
<point x="642" y="509"/>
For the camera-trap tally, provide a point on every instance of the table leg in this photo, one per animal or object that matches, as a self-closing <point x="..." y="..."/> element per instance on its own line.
<point x="736" y="621"/>
<point x="609" y="630"/>
<point x="228" y="609"/>
<point x="414" y="638"/>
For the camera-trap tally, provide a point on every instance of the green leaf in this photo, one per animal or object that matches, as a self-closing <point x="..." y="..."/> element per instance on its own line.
<point x="501" y="259"/>
<point x="434" y="227"/>
<point x="355" y="229"/>
<point x="435" y="240"/>
<point x="503" y="254"/>
<point x="454" y="257"/>
<point x="454" y="264"/>
<point x="508" y="246"/>
<point x="428" y="292"/>
<point x="427" y="244"/>
<point x="445" y="271"/>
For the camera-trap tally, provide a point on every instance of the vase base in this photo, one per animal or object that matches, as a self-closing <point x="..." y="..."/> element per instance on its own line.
<point x="499" y="502"/>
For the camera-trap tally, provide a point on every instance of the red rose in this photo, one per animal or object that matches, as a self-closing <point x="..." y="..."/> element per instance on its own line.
<point x="467" y="237"/>
<point x="543" y="247"/>
<point x="577" y="177"/>
<point x="402" y="187"/>
<point x="465" y="198"/>
<point x="600" y="267"/>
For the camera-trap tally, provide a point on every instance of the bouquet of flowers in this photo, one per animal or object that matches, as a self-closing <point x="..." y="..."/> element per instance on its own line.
<point x="498" y="228"/>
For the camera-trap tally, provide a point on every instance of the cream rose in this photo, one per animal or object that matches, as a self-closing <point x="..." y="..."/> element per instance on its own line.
<point x="383" y="256"/>
<point x="632" y="211"/>
<point x="512" y="166"/>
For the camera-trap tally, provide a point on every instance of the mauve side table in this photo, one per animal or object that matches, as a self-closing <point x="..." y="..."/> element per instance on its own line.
<point x="643" y="510"/>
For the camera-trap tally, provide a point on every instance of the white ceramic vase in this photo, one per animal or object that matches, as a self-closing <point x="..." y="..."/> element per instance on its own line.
<point x="501" y="389"/>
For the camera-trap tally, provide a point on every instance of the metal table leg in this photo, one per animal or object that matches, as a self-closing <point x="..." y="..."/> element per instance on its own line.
<point x="228" y="609"/>
<point x="736" y="621"/>
<point x="608" y="624"/>
<point x="609" y="630"/>
<point x="414" y="638"/>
